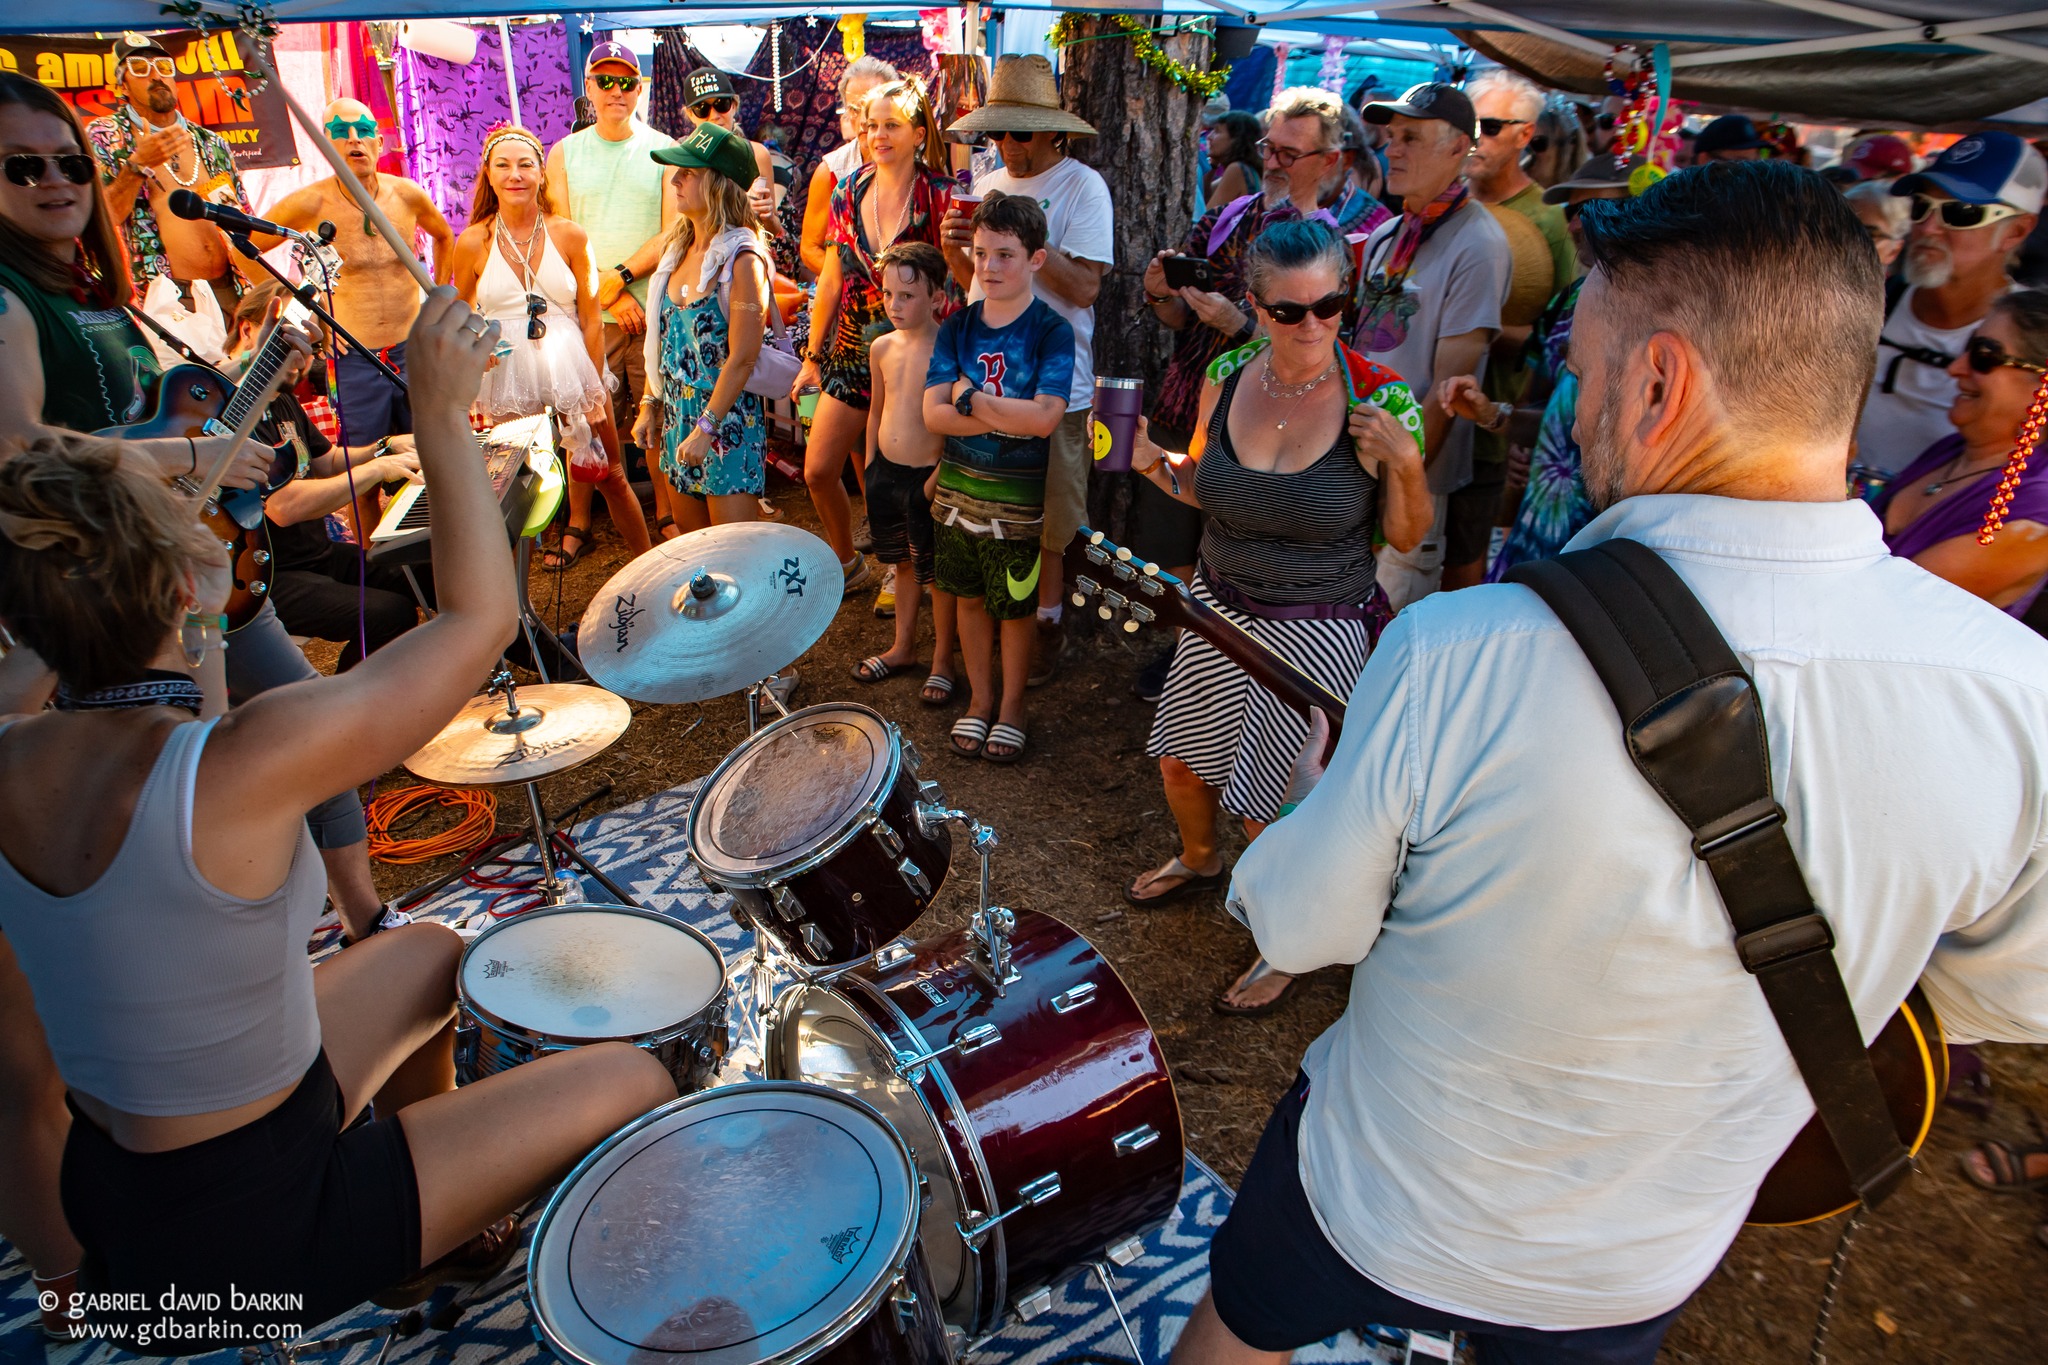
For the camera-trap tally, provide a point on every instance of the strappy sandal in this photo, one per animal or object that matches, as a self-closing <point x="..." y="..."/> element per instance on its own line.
<point x="1011" y="737"/>
<point x="875" y="668"/>
<point x="558" y="558"/>
<point x="1257" y="972"/>
<point x="2008" y="1167"/>
<point x="974" y="730"/>
<point x="662" y="526"/>
<point x="474" y="1262"/>
<point x="937" y="683"/>
<point x="1191" y="882"/>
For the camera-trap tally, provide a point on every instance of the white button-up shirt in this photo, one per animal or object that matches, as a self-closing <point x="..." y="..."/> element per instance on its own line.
<point x="1555" y="1090"/>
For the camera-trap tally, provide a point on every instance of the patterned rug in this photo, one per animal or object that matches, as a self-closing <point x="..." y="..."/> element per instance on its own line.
<point x="641" y="847"/>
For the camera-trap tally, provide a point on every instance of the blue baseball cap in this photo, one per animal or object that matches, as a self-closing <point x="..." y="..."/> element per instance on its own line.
<point x="1985" y="168"/>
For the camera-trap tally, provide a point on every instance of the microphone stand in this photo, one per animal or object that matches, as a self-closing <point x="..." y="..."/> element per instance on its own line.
<point x="308" y="295"/>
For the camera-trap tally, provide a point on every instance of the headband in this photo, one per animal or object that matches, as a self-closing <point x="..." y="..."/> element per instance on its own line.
<point x="500" y="134"/>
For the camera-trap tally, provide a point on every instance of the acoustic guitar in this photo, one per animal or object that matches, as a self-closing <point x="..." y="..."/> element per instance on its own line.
<point x="1809" y="1182"/>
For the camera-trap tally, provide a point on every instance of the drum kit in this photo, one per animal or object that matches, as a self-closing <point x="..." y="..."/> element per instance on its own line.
<point x="934" y="1135"/>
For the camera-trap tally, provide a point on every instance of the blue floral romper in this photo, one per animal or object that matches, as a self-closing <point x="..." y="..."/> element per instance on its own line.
<point x="693" y="350"/>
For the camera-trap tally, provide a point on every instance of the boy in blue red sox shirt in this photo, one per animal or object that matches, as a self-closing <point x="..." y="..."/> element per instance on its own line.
<point x="996" y="390"/>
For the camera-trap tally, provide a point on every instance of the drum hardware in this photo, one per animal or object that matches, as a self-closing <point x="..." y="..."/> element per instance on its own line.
<point x="992" y="925"/>
<point x="1107" y="1278"/>
<point x="975" y="1230"/>
<point x="912" y="1064"/>
<point x="1136" y="1140"/>
<point x="1067" y="1001"/>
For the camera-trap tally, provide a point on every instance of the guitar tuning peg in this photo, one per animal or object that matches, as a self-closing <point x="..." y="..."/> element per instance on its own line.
<point x="1095" y="537"/>
<point x="1151" y="569"/>
<point x="1123" y="554"/>
<point x="1106" y="612"/>
<point x="1078" y="598"/>
<point x="1130" y="625"/>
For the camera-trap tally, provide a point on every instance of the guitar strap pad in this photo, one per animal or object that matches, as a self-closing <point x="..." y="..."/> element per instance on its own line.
<point x="1695" y="729"/>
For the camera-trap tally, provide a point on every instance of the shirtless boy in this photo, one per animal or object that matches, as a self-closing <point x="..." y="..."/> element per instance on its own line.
<point x="376" y="297"/>
<point x="902" y="457"/>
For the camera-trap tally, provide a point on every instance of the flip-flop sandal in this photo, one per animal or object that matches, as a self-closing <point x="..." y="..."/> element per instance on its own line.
<point x="1258" y="971"/>
<point x="1191" y="883"/>
<point x="875" y="668"/>
<point x="1011" y="737"/>
<point x="974" y="730"/>
<point x="2008" y="1167"/>
<point x="566" y="559"/>
<point x="939" y="683"/>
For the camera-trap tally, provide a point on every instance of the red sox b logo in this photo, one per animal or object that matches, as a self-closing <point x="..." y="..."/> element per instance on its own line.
<point x="992" y="366"/>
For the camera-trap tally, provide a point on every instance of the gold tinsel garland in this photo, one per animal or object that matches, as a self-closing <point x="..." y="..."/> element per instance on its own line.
<point x="1201" y="84"/>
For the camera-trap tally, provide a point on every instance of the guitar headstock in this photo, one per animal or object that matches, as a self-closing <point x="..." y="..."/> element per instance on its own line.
<point x="1120" y="583"/>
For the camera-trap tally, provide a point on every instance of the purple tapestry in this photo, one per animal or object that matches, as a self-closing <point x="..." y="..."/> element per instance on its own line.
<point x="446" y="109"/>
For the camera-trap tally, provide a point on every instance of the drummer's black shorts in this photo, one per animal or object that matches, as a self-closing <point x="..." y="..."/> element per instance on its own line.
<point x="288" y="1204"/>
<point x="1279" y="1285"/>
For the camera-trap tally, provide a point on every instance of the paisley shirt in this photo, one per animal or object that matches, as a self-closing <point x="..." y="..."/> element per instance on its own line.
<point x="113" y="142"/>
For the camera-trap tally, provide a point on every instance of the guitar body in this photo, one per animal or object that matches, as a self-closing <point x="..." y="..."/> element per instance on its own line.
<point x="1809" y="1181"/>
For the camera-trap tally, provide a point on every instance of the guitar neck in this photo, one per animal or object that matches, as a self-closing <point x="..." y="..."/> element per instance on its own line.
<point x="1258" y="660"/>
<point x="255" y="384"/>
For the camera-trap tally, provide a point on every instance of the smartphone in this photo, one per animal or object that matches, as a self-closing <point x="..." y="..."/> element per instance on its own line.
<point x="1184" y="272"/>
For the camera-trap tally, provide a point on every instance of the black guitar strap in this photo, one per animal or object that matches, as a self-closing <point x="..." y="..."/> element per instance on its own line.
<point x="1695" y="729"/>
<point x="170" y="338"/>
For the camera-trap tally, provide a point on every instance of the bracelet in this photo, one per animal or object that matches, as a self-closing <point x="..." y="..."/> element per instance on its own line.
<point x="650" y="400"/>
<point x="707" y="426"/>
<point x="1501" y="413"/>
<point x="1287" y="808"/>
<point x="192" y="446"/>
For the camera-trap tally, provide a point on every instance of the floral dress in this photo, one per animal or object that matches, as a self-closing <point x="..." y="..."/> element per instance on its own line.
<point x="844" y="375"/>
<point x="693" y="350"/>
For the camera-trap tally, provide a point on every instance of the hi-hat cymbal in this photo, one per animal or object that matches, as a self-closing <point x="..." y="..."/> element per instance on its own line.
<point x="559" y="726"/>
<point x="709" y="612"/>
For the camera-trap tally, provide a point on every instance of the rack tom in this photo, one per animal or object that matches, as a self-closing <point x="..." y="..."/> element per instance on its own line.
<point x="548" y="980"/>
<point x="811" y="826"/>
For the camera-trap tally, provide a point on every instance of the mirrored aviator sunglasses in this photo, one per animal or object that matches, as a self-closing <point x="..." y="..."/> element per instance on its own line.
<point x="1290" y="314"/>
<point x="608" y="81"/>
<point x="28" y="170"/>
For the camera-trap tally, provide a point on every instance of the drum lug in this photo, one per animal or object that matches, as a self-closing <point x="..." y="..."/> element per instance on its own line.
<point x="889" y="954"/>
<point x="913" y="877"/>
<point x="1126" y="1251"/>
<point x="1067" y="1001"/>
<point x="931" y="793"/>
<point x="1033" y="1304"/>
<point x="1030" y="1195"/>
<point x="903" y="1299"/>
<point x="912" y="1064"/>
<point x="785" y="902"/>
<point x="912" y="759"/>
<point x="888" y="838"/>
<point x="1135" y="1140"/>
<point x="815" y="940"/>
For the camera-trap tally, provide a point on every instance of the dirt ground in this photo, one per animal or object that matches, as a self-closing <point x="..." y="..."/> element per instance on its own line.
<point x="1943" y="1273"/>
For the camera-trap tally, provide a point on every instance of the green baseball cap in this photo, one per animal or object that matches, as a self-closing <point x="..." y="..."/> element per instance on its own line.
<point x="713" y="148"/>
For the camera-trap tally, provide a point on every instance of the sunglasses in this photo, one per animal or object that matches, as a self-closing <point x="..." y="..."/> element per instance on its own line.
<point x="535" y="328"/>
<point x="1494" y="127"/>
<point x="706" y="108"/>
<point x="1014" y="137"/>
<point x="142" y="67"/>
<point x="345" y="130"/>
<point x="1290" y="314"/>
<point x="1956" y="214"/>
<point x="607" y="81"/>
<point x="1285" y="157"/>
<point x="1986" y="355"/>
<point x="27" y="169"/>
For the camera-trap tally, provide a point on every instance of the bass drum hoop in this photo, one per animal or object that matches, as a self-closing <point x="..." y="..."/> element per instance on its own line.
<point x="842" y="1327"/>
<point x="541" y="1043"/>
<point x="870" y="1005"/>
<point x="858" y="822"/>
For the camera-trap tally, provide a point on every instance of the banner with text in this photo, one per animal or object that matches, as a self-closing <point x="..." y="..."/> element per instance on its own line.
<point x="212" y="73"/>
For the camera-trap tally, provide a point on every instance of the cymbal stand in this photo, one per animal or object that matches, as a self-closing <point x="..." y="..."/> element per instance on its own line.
<point x="992" y="925"/>
<point x="755" y="692"/>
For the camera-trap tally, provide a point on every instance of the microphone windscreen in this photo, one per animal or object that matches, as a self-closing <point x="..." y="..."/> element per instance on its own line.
<point x="185" y="204"/>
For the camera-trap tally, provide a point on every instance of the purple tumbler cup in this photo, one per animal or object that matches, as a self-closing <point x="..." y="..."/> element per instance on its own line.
<point x="1118" y="405"/>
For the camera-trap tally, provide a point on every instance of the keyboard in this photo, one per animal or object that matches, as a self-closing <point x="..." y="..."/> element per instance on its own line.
<point x="510" y="450"/>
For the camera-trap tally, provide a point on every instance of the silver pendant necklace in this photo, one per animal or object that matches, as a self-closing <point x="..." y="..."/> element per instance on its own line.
<point x="1951" y="474"/>
<point x="1298" y="392"/>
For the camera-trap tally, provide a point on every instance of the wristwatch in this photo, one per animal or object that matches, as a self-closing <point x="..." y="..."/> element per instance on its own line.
<point x="964" y="404"/>
<point x="626" y="276"/>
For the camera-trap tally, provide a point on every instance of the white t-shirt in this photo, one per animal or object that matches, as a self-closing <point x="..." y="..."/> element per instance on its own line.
<point x="1078" y="221"/>
<point x="1899" y="425"/>
<point x="841" y="161"/>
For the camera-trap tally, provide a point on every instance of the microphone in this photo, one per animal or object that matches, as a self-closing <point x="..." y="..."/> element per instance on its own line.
<point x="186" y="204"/>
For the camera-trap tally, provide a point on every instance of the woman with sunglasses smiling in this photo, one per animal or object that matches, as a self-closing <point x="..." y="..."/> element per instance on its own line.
<point x="1933" y="509"/>
<point x="1303" y="451"/>
<point x="527" y="268"/>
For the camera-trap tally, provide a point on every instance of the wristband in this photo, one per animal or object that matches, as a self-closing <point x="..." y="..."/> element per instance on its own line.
<point x="1287" y="808"/>
<point x="625" y="276"/>
<point x="707" y="426"/>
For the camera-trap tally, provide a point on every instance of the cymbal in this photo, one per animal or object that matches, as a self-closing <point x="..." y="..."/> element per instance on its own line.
<point x="559" y="726"/>
<point x="710" y="612"/>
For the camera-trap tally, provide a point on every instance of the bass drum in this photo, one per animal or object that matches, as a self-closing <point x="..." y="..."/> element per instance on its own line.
<point x="757" y="1224"/>
<point x="1049" y="1135"/>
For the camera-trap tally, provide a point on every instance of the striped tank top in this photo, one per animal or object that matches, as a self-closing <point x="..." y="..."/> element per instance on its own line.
<point x="1286" y="539"/>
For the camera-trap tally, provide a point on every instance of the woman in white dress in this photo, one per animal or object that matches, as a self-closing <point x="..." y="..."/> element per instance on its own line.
<point x="527" y="268"/>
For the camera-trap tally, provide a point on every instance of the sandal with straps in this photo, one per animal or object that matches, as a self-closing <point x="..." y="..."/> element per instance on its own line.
<point x="937" y="690"/>
<point x="2008" y="1167"/>
<point x="974" y="730"/>
<point x="1191" y="883"/>
<point x="559" y="558"/>
<point x="1011" y="737"/>
<point x="1257" y="972"/>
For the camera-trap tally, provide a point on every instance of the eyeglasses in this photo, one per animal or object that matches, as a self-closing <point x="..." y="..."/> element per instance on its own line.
<point x="1959" y="215"/>
<point x="607" y="81"/>
<point x="1494" y="127"/>
<point x="1291" y="314"/>
<point x="1986" y="355"/>
<point x="144" y="67"/>
<point x="1285" y="157"/>
<point x="706" y="108"/>
<point x="345" y="130"/>
<point x="27" y="170"/>
<point x="1014" y="137"/>
<point x="535" y="328"/>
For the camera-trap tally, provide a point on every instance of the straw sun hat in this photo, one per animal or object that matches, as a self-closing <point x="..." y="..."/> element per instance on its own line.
<point x="1022" y="98"/>
<point x="1534" y="277"/>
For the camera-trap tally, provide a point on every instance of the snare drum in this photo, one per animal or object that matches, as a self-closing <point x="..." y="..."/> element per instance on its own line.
<point x="749" y="1225"/>
<point x="811" y="825"/>
<point x="1051" y="1136"/>
<point x="577" y="974"/>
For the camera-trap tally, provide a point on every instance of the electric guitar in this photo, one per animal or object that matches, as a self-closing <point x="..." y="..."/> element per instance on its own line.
<point x="1809" y="1181"/>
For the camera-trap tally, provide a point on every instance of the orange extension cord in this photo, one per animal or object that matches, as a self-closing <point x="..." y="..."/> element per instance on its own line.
<point x="479" y="821"/>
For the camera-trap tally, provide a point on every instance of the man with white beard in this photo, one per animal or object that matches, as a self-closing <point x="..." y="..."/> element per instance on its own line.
<point x="1971" y="210"/>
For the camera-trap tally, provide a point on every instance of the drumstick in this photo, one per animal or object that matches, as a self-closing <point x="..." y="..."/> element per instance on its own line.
<point x="243" y="431"/>
<point x="346" y="178"/>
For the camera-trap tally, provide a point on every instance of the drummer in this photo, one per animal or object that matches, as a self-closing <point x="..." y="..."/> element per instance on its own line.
<point x="212" y="1074"/>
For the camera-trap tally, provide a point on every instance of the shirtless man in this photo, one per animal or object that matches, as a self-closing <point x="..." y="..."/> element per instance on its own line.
<point x="145" y="150"/>
<point x="376" y="297"/>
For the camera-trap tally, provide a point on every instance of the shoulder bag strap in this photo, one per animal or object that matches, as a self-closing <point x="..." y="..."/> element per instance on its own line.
<point x="1695" y="730"/>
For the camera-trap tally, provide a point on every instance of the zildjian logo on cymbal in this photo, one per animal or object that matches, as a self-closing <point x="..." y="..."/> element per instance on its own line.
<point x="624" y="614"/>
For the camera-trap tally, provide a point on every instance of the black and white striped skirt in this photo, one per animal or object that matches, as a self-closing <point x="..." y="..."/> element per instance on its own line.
<point x="1234" y="734"/>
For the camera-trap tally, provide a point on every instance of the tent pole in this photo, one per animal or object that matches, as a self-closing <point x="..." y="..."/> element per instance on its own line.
<point x="1928" y="33"/>
<point x="1870" y="18"/>
<point x="511" y="76"/>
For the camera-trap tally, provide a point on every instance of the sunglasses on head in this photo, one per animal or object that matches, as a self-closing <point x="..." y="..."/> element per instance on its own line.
<point x="1986" y="355"/>
<point x="723" y="104"/>
<point x="1956" y="214"/>
<point x="1290" y="314"/>
<point x="1285" y="157"/>
<point x="27" y="170"/>
<point x="608" y="81"/>
<point x="1494" y="127"/>
<point x="144" y="67"/>
<point x="535" y="328"/>
<point x="342" y="130"/>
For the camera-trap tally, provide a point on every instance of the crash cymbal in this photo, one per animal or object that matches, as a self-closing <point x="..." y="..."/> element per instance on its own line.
<point x="559" y="726"/>
<point x="710" y="612"/>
